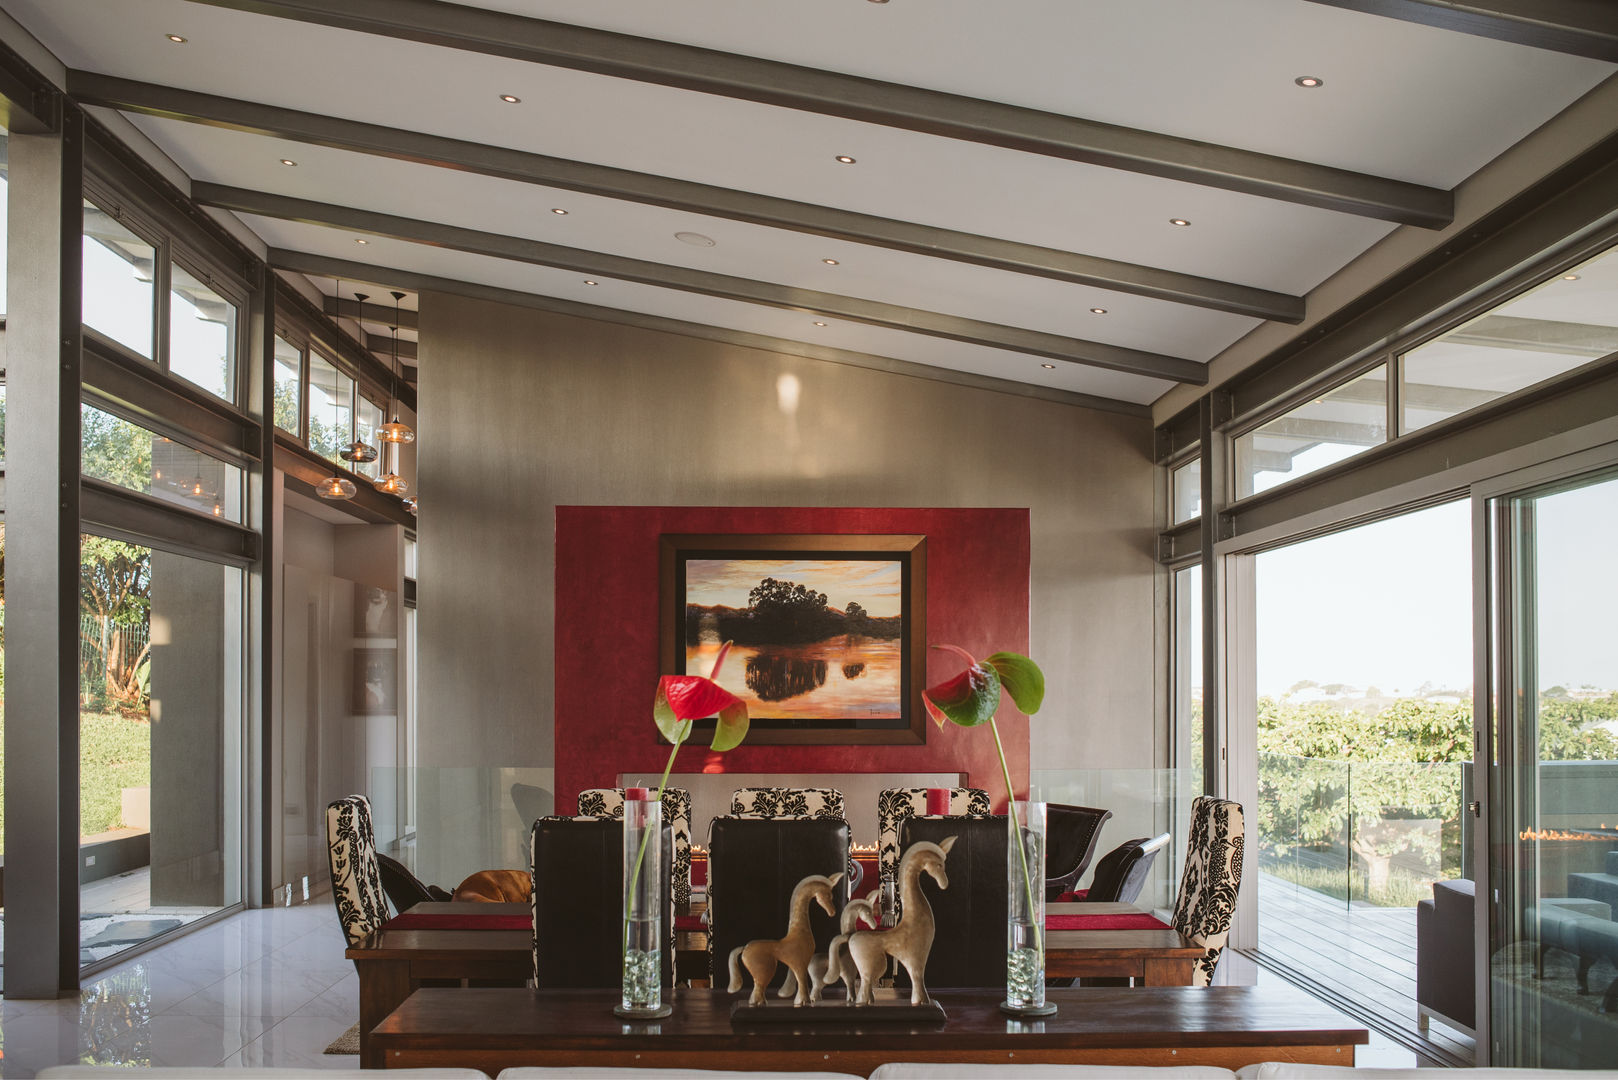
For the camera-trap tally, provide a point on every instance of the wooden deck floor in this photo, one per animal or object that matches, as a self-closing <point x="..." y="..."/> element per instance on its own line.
<point x="1360" y="957"/>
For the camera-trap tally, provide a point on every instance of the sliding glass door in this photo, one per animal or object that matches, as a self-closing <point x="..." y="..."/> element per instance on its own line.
<point x="1552" y="986"/>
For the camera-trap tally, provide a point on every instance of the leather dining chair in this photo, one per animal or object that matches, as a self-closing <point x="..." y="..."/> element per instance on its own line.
<point x="1121" y="873"/>
<point x="578" y="903"/>
<point x="1071" y="833"/>
<point x="753" y="866"/>
<point x="404" y="889"/>
<point x="789" y="803"/>
<point x="1206" y="903"/>
<point x="894" y="805"/>
<point x="676" y="802"/>
<point x="969" y="917"/>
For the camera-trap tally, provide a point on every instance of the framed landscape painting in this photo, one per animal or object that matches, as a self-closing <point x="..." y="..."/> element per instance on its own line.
<point x="829" y="631"/>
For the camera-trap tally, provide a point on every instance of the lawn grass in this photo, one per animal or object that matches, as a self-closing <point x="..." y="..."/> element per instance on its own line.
<point x="115" y="752"/>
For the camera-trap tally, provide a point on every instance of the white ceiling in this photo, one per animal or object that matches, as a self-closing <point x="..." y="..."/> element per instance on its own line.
<point x="1400" y="100"/>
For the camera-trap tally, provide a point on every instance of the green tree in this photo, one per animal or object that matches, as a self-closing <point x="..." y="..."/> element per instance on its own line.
<point x="115" y="450"/>
<point x="115" y="589"/>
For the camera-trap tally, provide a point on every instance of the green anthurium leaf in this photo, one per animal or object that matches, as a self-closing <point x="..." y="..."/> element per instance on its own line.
<point x="967" y="700"/>
<point x="732" y="727"/>
<point x="1022" y="677"/>
<point x="668" y="725"/>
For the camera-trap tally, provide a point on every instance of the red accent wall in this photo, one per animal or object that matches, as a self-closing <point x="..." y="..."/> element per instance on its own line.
<point x="607" y="639"/>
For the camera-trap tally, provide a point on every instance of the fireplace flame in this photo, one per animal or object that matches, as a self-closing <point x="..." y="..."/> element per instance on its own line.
<point x="1562" y="834"/>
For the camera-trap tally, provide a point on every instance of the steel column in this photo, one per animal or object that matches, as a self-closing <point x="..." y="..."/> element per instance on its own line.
<point x="42" y="525"/>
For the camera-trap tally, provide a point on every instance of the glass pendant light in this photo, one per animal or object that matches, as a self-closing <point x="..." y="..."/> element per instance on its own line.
<point x="335" y="487"/>
<point x="409" y="504"/>
<point x="360" y="453"/>
<point x="391" y="483"/>
<point x="394" y="431"/>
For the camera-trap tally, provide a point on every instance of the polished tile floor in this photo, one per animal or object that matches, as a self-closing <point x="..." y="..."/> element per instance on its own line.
<point x="268" y="987"/>
<point x="265" y="987"/>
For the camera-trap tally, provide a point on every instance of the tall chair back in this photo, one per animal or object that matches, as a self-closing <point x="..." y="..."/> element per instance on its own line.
<point x="1071" y="833"/>
<point x="1121" y="873"/>
<point x="578" y="902"/>
<point x="609" y="803"/>
<point x="356" y="881"/>
<point x="404" y="889"/>
<point x="787" y="804"/>
<point x="969" y="917"/>
<point x="753" y="866"/>
<point x="1213" y="872"/>
<point x="894" y="805"/>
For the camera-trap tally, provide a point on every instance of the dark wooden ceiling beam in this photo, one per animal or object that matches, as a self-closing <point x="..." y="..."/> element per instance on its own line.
<point x="870" y="101"/>
<point x="523" y="167"/>
<point x="1587" y="28"/>
<point x="725" y="286"/>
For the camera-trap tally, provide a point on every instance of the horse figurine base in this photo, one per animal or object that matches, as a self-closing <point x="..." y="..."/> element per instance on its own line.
<point x="890" y="1007"/>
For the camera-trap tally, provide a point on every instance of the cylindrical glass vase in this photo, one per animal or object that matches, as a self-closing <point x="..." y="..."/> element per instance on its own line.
<point x="1025" y="912"/>
<point x="643" y="909"/>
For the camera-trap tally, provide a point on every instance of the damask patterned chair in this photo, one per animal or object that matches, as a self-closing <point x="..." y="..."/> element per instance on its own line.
<point x="356" y="881"/>
<point x="1213" y="872"/>
<point x="794" y="803"/>
<point x="894" y="805"/>
<point x="609" y="803"/>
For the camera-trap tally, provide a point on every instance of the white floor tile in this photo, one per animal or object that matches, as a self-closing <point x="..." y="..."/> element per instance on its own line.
<point x="296" y="1042"/>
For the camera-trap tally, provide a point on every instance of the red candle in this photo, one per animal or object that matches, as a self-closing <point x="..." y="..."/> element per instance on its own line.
<point x="937" y="801"/>
<point x="637" y="794"/>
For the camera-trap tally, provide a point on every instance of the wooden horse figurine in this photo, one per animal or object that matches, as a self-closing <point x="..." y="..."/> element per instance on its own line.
<point x="794" y="950"/>
<point x="911" y="939"/>
<point x="820" y="973"/>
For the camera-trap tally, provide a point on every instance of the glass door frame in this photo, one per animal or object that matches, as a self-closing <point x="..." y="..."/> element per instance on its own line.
<point x="1500" y="605"/>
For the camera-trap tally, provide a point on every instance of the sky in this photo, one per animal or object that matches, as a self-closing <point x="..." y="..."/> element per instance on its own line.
<point x="1390" y="604"/>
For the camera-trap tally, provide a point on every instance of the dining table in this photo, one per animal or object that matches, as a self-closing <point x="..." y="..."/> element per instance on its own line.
<point x="464" y="943"/>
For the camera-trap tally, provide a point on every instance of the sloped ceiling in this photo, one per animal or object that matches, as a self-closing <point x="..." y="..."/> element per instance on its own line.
<point x="1008" y="214"/>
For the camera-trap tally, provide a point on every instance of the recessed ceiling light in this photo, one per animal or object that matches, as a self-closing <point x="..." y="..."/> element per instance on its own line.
<point x="695" y="239"/>
<point x="1048" y="367"/>
<point x="819" y="323"/>
<point x="361" y="240"/>
<point x="587" y="281"/>
<point x="558" y="210"/>
<point x="845" y="159"/>
<point x="1180" y="221"/>
<point x="176" y="38"/>
<point x="511" y="99"/>
<point x="1309" y="81"/>
<point x="829" y="262"/>
<point x="288" y="161"/>
<point x="1570" y="277"/>
<point x="1098" y="311"/>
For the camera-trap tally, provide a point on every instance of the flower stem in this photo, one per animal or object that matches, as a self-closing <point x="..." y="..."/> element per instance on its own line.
<point x="1016" y="835"/>
<point x="640" y="856"/>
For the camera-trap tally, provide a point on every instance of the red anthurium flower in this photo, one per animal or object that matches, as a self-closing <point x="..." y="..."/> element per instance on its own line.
<point x="684" y="698"/>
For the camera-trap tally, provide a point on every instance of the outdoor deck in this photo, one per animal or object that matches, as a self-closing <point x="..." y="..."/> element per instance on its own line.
<point x="1361" y="957"/>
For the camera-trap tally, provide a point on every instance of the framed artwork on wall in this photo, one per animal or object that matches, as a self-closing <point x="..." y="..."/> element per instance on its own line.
<point x="829" y="631"/>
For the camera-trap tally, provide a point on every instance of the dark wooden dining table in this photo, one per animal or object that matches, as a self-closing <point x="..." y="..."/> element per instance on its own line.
<point x="394" y="962"/>
<point x="1223" y="1026"/>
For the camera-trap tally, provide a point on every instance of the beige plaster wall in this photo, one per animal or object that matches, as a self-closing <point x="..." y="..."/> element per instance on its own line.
<point x="523" y="410"/>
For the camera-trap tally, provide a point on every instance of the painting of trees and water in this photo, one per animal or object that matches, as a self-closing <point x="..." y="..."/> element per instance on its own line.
<point x="815" y="638"/>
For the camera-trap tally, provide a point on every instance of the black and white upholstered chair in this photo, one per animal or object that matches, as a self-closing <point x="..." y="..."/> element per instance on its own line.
<point x="356" y="881"/>
<point x="894" y="805"/>
<point x="793" y="804"/>
<point x="609" y="803"/>
<point x="1206" y="903"/>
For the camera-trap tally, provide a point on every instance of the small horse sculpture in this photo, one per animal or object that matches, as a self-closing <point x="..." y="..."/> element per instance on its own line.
<point x="794" y="950"/>
<point x="820" y="974"/>
<point x="909" y="941"/>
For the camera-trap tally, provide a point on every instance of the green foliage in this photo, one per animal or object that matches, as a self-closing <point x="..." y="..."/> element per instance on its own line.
<point x="115" y="752"/>
<point x="286" y="406"/>
<point x="115" y="450"/>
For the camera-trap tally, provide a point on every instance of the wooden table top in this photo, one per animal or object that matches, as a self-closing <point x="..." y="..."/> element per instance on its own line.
<point x="521" y="1019"/>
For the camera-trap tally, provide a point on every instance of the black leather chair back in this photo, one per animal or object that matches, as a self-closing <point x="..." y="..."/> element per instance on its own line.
<point x="1122" y="872"/>
<point x="579" y="903"/>
<point x="969" y="944"/>
<point x="405" y="890"/>
<point x="753" y="866"/>
<point x="1071" y="833"/>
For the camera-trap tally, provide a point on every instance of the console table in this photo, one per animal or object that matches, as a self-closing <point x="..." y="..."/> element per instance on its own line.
<point x="1226" y="1026"/>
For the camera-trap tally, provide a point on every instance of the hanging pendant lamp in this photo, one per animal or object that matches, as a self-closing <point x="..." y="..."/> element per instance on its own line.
<point x="409" y="504"/>
<point x="336" y="487"/>
<point x="358" y="451"/>
<point x="391" y="483"/>
<point x="393" y="431"/>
